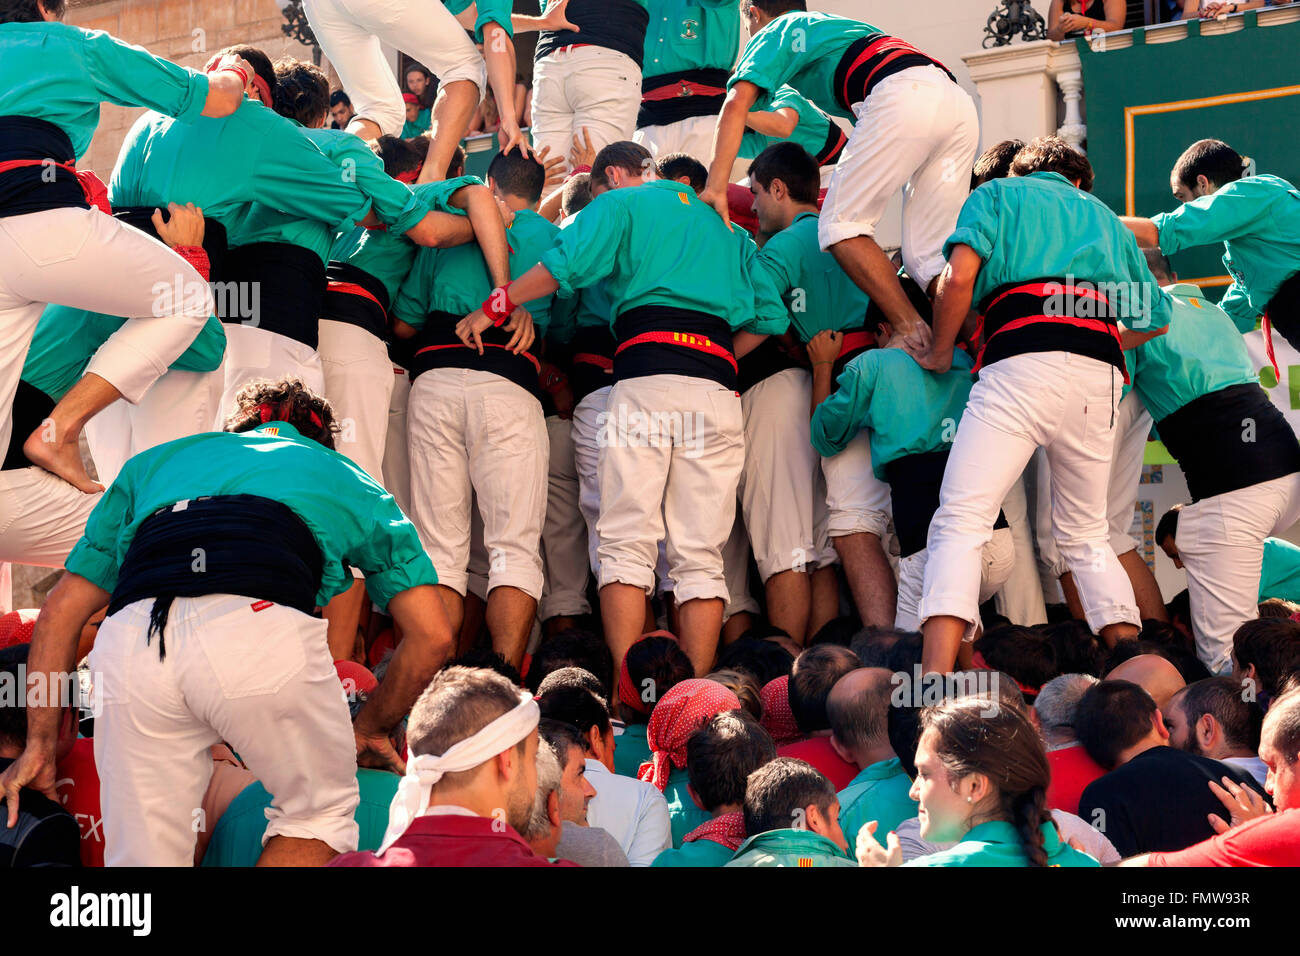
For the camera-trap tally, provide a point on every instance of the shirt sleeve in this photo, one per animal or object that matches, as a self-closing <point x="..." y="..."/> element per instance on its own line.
<point x="977" y="224"/>
<point x="837" y="421"/>
<point x="493" y="11"/>
<point x="564" y="315"/>
<point x="1239" y="309"/>
<point x="98" y="555"/>
<point x="394" y="203"/>
<point x="765" y="63"/>
<point x="1154" y="307"/>
<point x="437" y="196"/>
<point x="132" y="76"/>
<point x="771" y="317"/>
<point x="390" y="555"/>
<point x="1226" y="214"/>
<point x="585" y="250"/>
<point x="1269" y="841"/>
<point x="292" y="175"/>
<point x="654" y="832"/>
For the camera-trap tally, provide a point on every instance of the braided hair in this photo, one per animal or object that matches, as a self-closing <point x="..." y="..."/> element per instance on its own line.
<point x="285" y="400"/>
<point x="302" y="92"/>
<point x="974" y="735"/>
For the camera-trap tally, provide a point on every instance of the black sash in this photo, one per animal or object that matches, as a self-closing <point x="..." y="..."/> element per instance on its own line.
<point x="685" y="104"/>
<point x="341" y="305"/>
<point x="214" y="234"/>
<point x="36" y="188"/>
<point x="635" y="359"/>
<point x="281" y="283"/>
<point x="1283" y="310"/>
<point x="437" y="346"/>
<point x="914" y="484"/>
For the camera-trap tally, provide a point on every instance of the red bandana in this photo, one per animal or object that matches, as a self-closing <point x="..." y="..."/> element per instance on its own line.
<point x="679" y="713"/>
<point x="728" y="829"/>
<point x="778" y="718"/>
<point x="628" y="693"/>
<point x="978" y="662"/>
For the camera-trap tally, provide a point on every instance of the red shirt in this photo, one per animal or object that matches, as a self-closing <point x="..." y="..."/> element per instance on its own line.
<point x="77" y="783"/>
<point x="1072" y="771"/>
<point x="1273" y="840"/>
<point x="453" y="840"/>
<point x="819" y="752"/>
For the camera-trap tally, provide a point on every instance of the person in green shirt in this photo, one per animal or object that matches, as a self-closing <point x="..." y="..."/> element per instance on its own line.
<point x="1257" y="218"/>
<point x="792" y="818"/>
<point x="858" y="707"/>
<point x="917" y="132"/>
<point x="818" y="295"/>
<point x="680" y="283"/>
<point x="417" y="119"/>
<point x="475" y="424"/>
<point x="982" y="776"/>
<point x="54" y="248"/>
<point x="720" y="756"/>
<point x="1237" y="451"/>
<point x="242" y="534"/>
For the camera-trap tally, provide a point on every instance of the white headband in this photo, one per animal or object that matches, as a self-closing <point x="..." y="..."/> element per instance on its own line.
<point x="422" y="772"/>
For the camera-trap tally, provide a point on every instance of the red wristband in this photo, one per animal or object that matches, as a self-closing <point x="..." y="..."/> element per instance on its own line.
<point x="237" y="70"/>
<point x="578" y="170"/>
<point x="497" y="306"/>
<point x="196" y="256"/>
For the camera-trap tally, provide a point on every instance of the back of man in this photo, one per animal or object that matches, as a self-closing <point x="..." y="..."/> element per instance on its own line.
<point x="792" y="814"/>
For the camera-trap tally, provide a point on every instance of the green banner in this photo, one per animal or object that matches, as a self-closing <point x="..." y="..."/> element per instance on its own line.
<point x="1147" y="103"/>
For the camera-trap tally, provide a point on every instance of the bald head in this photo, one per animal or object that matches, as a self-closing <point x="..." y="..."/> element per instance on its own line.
<point x="858" y="709"/>
<point x="1152" y="673"/>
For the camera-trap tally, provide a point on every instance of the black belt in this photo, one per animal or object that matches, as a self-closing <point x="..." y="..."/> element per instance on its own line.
<point x="914" y="485"/>
<point x="355" y="297"/>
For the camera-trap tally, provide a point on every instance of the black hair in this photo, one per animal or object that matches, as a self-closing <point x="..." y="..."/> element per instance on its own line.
<point x="1023" y="652"/>
<point x="625" y="155"/>
<point x="876" y="315"/>
<point x="722" y="754"/>
<point x="456" y="165"/>
<point x="259" y="61"/>
<point x="766" y="660"/>
<point x="562" y="736"/>
<point x="338" y="96"/>
<point x="13" y="712"/>
<point x="1111" y="717"/>
<point x="572" y="647"/>
<point x="903" y="725"/>
<point x="483" y="656"/>
<point x="873" y="645"/>
<point x="577" y="194"/>
<point x="778" y="793"/>
<point x="578" y="707"/>
<point x="572" y="677"/>
<point x="1212" y="158"/>
<point x="660" y="661"/>
<point x="1188" y="665"/>
<point x="1272" y="645"/>
<point x="1221" y="697"/>
<point x="838" y="630"/>
<point x="401" y="155"/>
<point x="793" y="165"/>
<point x="995" y="162"/>
<point x="815" y="672"/>
<point x="774" y="8"/>
<point x="677" y="165"/>
<point x="1161" y="268"/>
<point x="518" y="175"/>
<point x="1167" y="526"/>
<point x="1078" y="651"/>
<point x="1051" y="154"/>
<point x="27" y="11"/>
<point x="301" y="91"/>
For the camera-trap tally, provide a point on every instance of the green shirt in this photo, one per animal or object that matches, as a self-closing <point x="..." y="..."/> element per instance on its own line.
<point x="632" y="750"/>
<point x="251" y="171"/>
<point x="803" y="50"/>
<point x="66" y="339"/>
<point x="684" y="814"/>
<point x="419" y="126"/>
<point x="350" y="515"/>
<point x="811" y="130"/>
<point x="237" y="839"/>
<point x="489" y="11"/>
<point x="1280" y="575"/>
<point x="388" y="255"/>
<point x="695" y="853"/>
<point x="790" y="848"/>
<point x="908" y="409"/>
<point x="1042" y="226"/>
<point x="880" y="793"/>
<point x="998" y="844"/>
<point x="817" y="293"/>
<point x="657" y="244"/>
<point x="60" y="73"/>
<point x="1199" y="354"/>
<point x="1258" y="221"/>
<point x="457" y="280"/>
<point x="690" y="35"/>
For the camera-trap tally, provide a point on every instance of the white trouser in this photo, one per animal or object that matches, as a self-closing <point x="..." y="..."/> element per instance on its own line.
<point x="996" y="560"/>
<point x="1020" y="599"/>
<point x="692" y="136"/>
<point x="586" y="432"/>
<point x="352" y="33"/>
<point x="255" y="353"/>
<point x="87" y="260"/>
<point x="41" y="517"/>
<point x="397" y="460"/>
<point x="856" y="499"/>
<point x="1132" y="426"/>
<point x="178" y="405"/>
<point x="1064" y="403"/>
<point x="476" y="434"/>
<point x="781" y="479"/>
<point x="564" y="535"/>
<point x="359" y="383"/>
<point x="260" y="680"/>
<point x="593" y="88"/>
<point x="735" y="571"/>
<point x="671" y="451"/>
<point x="918" y="131"/>
<point x="1221" y="543"/>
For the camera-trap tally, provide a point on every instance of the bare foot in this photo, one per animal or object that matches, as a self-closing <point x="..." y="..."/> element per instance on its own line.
<point x="62" y="458"/>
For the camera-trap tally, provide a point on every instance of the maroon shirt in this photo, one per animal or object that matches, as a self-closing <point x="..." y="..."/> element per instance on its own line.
<point x="819" y="752"/>
<point x="453" y="840"/>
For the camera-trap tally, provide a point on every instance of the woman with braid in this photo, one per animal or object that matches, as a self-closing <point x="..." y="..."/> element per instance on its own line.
<point x="981" y="780"/>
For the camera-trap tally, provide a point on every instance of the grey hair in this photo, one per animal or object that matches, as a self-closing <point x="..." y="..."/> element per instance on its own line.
<point x="1056" y="704"/>
<point x="1282" y="725"/>
<point x="548" y="781"/>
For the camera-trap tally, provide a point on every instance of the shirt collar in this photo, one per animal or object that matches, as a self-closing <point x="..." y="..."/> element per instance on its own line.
<point x="880" y="770"/>
<point x="594" y="764"/>
<point x="790" y="840"/>
<point x="1188" y="290"/>
<point x="803" y="215"/>
<point x="448" y="810"/>
<point x="278" y="428"/>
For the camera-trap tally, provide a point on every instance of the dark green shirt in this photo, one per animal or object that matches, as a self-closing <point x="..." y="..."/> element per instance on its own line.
<point x="790" y="848"/>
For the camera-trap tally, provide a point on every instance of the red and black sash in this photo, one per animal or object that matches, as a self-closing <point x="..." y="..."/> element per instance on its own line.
<point x="1048" y="315"/>
<point x="356" y="297"/>
<point x="437" y="346"/>
<point x="871" y="59"/>
<point x="680" y="95"/>
<point x="664" y="340"/>
<point x="836" y="140"/>
<point x="38" y="170"/>
<point x="592" y="361"/>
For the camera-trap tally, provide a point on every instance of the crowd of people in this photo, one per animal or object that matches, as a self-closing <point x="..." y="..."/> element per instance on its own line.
<point x="642" y="510"/>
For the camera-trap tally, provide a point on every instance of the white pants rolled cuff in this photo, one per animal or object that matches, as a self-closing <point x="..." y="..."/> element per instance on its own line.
<point x="358" y="377"/>
<point x="856" y="499"/>
<point x="262" y="681"/>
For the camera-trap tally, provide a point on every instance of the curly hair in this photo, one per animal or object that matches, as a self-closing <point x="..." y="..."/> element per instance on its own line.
<point x="1051" y="154"/>
<point x="302" y="91"/>
<point x="285" y="400"/>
